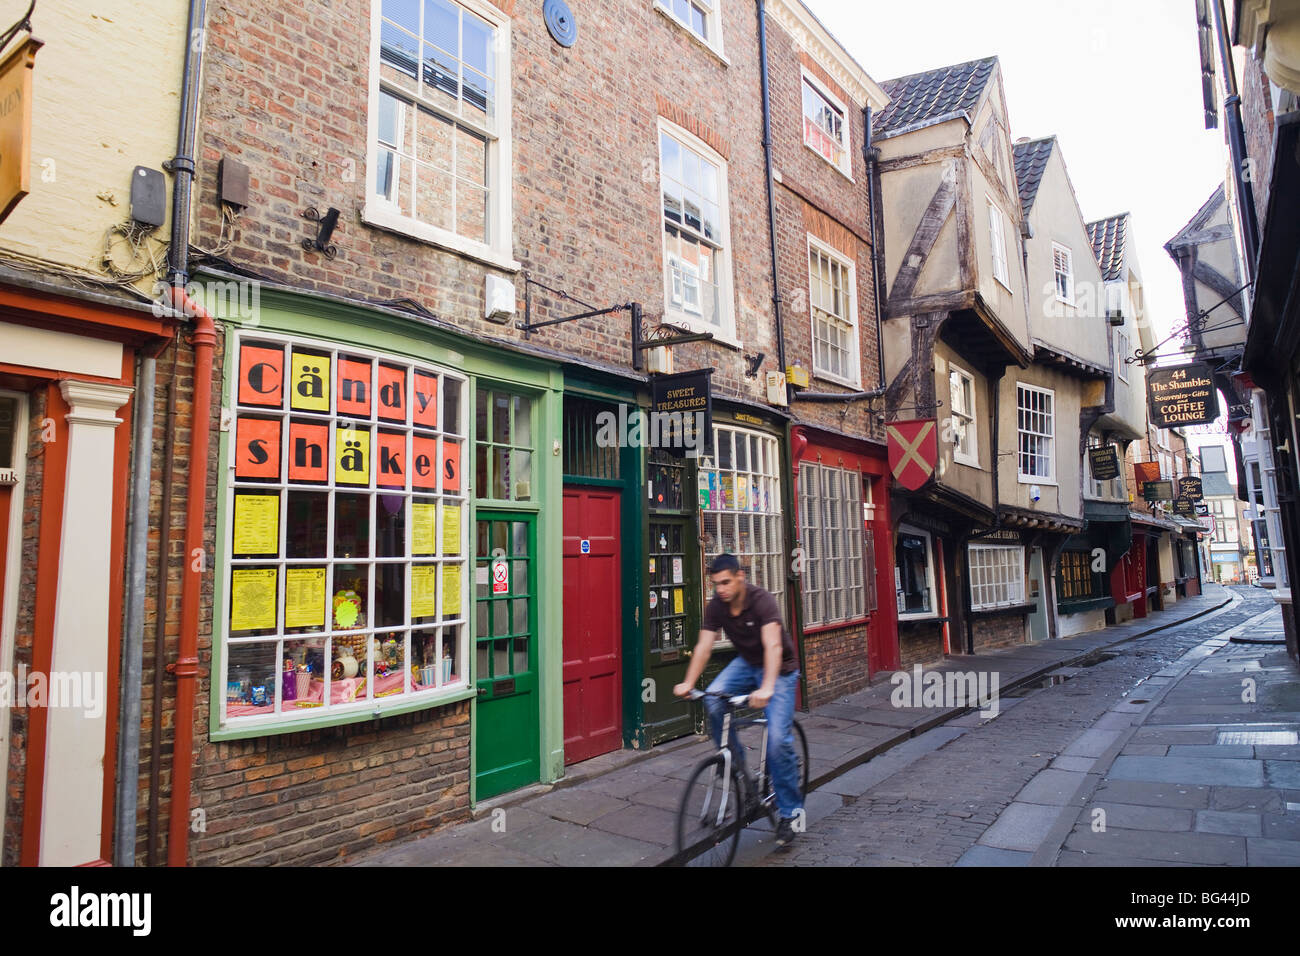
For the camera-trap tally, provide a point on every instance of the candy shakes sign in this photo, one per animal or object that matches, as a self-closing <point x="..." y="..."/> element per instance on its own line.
<point x="1182" y="395"/>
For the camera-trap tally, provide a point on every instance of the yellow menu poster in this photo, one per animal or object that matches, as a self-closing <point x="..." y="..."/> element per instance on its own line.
<point x="451" y="529"/>
<point x="423" y="590"/>
<point x="304" y="597"/>
<point x="677" y="601"/>
<point x="257" y="524"/>
<point x="252" y="598"/>
<point x="451" y="590"/>
<point x="422" y="518"/>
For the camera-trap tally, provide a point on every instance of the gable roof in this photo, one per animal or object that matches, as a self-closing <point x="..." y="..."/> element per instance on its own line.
<point x="1108" y="237"/>
<point x="1188" y="235"/>
<point x="923" y="99"/>
<point x="1031" y="159"/>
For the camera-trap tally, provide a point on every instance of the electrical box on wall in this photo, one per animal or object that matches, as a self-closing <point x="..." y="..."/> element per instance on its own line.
<point x="232" y="182"/>
<point x="499" y="299"/>
<point x="148" y="196"/>
<point x="776" y="388"/>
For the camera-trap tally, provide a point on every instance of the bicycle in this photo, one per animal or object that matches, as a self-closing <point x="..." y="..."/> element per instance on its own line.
<point x="722" y="799"/>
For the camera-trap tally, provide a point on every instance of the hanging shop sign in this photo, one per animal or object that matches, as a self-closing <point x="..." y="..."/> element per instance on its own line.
<point x="1184" y="507"/>
<point x="1182" y="395"/>
<point x="1189" y="486"/>
<point x="1158" y="490"/>
<point x="1104" y="463"/>
<point x="913" y="451"/>
<point x="16" y="124"/>
<point x="681" y="416"/>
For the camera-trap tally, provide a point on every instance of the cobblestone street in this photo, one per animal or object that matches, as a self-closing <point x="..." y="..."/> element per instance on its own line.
<point x="1135" y="733"/>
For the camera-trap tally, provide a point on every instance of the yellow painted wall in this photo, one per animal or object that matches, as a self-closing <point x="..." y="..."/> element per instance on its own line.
<point x="106" y="98"/>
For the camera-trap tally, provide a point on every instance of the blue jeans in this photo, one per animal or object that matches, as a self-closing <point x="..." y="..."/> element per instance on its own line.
<point x="741" y="677"/>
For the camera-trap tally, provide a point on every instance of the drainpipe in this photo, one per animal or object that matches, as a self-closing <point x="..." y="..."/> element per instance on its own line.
<point x="1237" y="143"/>
<point x="771" y="196"/>
<point x="185" y="667"/>
<point x="128" y="750"/>
<point x="872" y="155"/>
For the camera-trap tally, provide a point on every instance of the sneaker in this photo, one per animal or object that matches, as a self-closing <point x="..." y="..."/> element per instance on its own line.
<point x="784" y="832"/>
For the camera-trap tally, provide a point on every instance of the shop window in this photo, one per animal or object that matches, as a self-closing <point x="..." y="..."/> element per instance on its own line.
<point x="743" y="513"/>
<point x="997" y="576"/>
<point x="503" y="445"/>
<point x="439" y="149"/>
<point x="914" y="574"/>
<point x="1075" y="579"/>
<point x="831" y="532"/>
<point x="344" y="546"/>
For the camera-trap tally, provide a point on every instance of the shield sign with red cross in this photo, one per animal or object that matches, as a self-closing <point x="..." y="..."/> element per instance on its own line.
<point x="913" y="451"/>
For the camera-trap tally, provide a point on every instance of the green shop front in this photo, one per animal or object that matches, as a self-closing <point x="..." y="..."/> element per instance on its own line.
<point x="389" y="535"/>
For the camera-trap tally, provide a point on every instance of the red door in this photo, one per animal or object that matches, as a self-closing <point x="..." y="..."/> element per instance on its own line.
<point x="593" y="624"/>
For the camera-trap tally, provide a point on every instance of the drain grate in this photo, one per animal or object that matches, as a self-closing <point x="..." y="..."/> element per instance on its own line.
<point x="1263" y="738"/>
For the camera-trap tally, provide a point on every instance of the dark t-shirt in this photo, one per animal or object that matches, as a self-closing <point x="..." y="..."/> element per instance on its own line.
<point x="745" y="630"/>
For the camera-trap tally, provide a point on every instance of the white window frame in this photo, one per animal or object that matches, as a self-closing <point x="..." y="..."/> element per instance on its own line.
<point x="998" y="245"/>
<point x="678" y="312"/>
<point x="1063" y="251"/>
<point x="712" y="20"/>
<point x="851" y="321"/>
<point x="1117" y="483"/>
<point x="762" y="497"/>
<point x="825" y="520"/>
<point x="845" y="165"/>
<point x="971" y="457"/>
<point x="1122" y="345"/>
<point x="914" y="532"/>
<point x="986" y="573"/>
<point x="1050" y="437"/>
<point x="377" y="211"/>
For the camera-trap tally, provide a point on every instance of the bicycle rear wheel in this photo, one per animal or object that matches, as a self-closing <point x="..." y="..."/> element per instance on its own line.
<point x="710" y="818"/>
<point x="802" y="771"/>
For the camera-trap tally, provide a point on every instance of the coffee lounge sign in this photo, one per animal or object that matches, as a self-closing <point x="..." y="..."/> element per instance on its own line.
<point x="16" y="124"/>
<point x="1182" y="395"/>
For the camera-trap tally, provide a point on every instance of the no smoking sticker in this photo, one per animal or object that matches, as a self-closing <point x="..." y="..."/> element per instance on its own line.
<point x="500" y="576"/>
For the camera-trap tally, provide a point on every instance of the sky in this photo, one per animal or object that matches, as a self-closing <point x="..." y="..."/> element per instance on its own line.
<point x="1117" y="82"/>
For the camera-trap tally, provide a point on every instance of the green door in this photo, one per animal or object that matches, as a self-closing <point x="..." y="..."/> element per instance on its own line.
<point x="507" y="734"/>
<point x="673" y="617"/>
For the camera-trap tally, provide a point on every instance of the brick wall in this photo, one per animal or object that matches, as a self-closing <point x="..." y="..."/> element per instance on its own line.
<point x="919" y="644"/>
<point x="997" y="630"/>
<point x="1257" y="118"/>
<point x="24" y="630"/>
<point x="835" y="662"/>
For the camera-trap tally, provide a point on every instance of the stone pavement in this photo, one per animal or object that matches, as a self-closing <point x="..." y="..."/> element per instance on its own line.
<point x="1200" y="766"/>
<point x="619" y="809"/>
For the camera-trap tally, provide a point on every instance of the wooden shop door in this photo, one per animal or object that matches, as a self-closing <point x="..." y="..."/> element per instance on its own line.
<point x="593" y="623"/>
<point x="507" y="732"/>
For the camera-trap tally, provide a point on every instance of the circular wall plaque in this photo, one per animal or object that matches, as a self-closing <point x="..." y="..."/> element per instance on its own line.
<point x="560" y="21"/>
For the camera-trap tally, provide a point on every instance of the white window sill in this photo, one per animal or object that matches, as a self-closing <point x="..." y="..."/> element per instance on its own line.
<point x="968" y="462"/>
<point x="1033" y="480"/>
<point x="685" y="322"/>
<point x="1069" y="302"/>
<point x="1003" y="282"/>
<point x="822" y="157"/>
<point x="836" y="380"/>
<point x="699" y="40"/>
<point x="918" y="617"/>
<point x="377" y="215"/>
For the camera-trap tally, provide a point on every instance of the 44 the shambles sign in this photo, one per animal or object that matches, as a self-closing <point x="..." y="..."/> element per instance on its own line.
<point x="1182" y="395"/>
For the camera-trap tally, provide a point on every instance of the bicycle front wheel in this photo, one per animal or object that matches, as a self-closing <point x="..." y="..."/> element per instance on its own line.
<point x="711" y="815"/>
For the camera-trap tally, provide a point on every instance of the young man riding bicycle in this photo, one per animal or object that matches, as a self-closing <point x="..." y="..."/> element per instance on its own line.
<point x="764" y="667"/>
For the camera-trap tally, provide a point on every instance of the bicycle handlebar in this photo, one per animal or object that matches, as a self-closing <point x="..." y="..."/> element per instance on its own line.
<point x="739" y="700"/>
